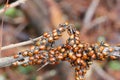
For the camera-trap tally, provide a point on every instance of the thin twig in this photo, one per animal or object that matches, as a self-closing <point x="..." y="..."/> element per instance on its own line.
<point x="20" y="44"/>
<point x="42" y="66"/>
<point x="94" y="23"/>
<point x="90" y="12"/>
<point x="2" y="25"/>
<point x="18" y="2"/>
<point x="97" y="21"/>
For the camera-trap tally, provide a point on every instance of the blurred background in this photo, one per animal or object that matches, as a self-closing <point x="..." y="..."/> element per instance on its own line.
<point x="96" y="20"/>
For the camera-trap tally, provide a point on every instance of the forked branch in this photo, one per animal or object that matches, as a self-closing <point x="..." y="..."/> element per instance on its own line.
<point x="79" y="54"/>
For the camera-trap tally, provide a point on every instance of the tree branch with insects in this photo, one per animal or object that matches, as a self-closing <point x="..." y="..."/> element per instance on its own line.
<point x="78" y="53"/>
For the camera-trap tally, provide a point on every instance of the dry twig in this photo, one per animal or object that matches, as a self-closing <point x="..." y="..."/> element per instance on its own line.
<point x="7" y="61"/>
<point x="90" y="12"/>
<point x="97" y="21"/>
<point x="18" y="2"/>
<point x="20" y="44"/>
<point x="2" y="25"/>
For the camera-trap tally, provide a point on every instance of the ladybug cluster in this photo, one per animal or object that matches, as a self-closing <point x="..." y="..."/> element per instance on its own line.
<point x="79" y="54"/>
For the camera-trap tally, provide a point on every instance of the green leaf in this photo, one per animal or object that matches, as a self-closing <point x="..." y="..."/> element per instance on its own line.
<point x="12" y="12"/>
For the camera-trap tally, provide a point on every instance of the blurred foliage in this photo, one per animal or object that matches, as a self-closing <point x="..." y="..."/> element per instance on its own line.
<point x="25" y="70"/>
<point x="78" y="26"/>
<point x="33" y="78"/>
<point x="2" y="77"/>
<point x="115" y="65"/>
<point x="13" y="12"/>
<point x="101" y="38"/>
<point x="1" y="6"/>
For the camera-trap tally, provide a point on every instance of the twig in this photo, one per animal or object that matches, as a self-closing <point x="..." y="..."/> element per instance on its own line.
<point x="20" y="44"/>
<point x="93" y="23"/>
<point x="42" y="66"/>
<point x="18" y="2"/>
<point x="7" y="61"/>
<point x="97" y="21"/>
<point x="2" y="25"/>
<point x="90" y="12"/>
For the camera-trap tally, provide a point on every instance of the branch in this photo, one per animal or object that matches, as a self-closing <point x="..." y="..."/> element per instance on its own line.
<point x="116" y="51"/>
<point x="20" y="44"/>
<point x="45" y="51"/>
<point x="7" y="61"/>
<point x="99" y="70"/>
<point x="18" y="2"/>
